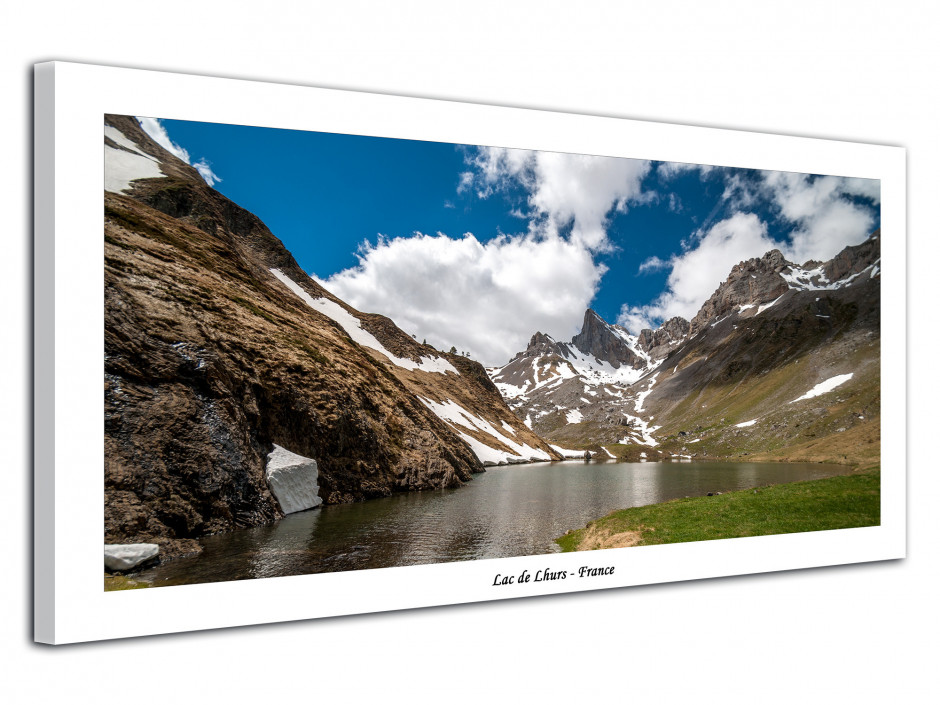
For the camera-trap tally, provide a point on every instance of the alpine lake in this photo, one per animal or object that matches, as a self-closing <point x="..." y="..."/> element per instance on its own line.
<point x="515" y="510"/>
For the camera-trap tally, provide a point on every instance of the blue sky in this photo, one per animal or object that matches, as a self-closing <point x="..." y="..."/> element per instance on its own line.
<point x="480" y="247"/>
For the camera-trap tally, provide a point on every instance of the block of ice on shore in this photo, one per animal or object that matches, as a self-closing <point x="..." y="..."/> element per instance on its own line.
<point x="293" y="480"/>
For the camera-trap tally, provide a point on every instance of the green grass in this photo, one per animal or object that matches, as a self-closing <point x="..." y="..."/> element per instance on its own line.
<point x="816" y="505"/>
<point x="120" y="582"/>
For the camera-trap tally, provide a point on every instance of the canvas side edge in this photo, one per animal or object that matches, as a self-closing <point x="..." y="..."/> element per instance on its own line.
<point x="44" y="123"/>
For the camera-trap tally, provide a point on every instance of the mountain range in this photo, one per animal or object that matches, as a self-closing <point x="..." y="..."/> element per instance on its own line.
<point x="740" y="375"/>
<point x="237" y="389"/>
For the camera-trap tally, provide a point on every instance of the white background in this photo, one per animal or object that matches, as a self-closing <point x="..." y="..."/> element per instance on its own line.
<point x="860" y="71"/>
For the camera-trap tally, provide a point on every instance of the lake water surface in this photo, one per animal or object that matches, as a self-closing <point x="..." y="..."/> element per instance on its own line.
<point x="506" y="511"/>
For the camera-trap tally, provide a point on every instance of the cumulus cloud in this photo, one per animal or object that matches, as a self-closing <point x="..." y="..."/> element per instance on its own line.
<point x="564" y="190"/>
<point x="484" y="297"/>
<point x="695" y="274"/>
<point x="489" y="297"/>
<point x="157" y="132"/>
<point x="823" y="211"/>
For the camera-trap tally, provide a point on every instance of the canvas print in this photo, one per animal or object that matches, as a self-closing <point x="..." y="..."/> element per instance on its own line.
<point x="331" y="352"/>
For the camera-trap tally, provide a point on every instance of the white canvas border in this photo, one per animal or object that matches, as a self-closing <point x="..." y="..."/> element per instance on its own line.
<point x="70" y="604"/>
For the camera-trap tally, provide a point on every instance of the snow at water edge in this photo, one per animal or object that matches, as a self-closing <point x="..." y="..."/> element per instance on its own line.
<point x="567" y="452"/>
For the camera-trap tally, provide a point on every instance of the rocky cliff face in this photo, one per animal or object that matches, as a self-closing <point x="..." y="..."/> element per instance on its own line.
<point x="755" y="281"/>
<point x="662" y="341"/>
<point x="219" y="347"/>
<point x="605" y="342"/>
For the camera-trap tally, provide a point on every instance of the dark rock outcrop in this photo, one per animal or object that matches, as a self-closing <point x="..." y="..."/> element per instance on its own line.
<point x="662" y="341"/>
<point x="854" y="259"/>
<point x="541" y="344"/>
<point x="598" y="338"/>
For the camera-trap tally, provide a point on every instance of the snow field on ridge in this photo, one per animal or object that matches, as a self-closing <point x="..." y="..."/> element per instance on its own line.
<point x="354" y="329"/>
<point x="456" y="415"/>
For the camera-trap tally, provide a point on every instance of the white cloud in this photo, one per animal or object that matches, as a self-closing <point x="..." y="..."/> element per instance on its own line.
<point x="205" y="171"/>
<point x="825" y="219"/>
<point x="157" y="132"/>
<point x="670" y="170"/>
<point x="866" y="188"/>
<point x="564" y="190"/>
<point x="653" y="264"/>
<point x="490" y="297"/>
<point x="739" y="193"/>
<point x="697" y="273"/>
<point x="484" y="297"/>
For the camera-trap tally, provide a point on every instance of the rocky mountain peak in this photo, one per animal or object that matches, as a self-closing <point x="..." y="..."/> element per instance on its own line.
<point x="542" y="344"/>
<point x="662" y="341"/>
<point x="753" y="281"/>
<point x="853" y="259"/>
<point x="599" y="339"/>
<point x="762" y="280"/>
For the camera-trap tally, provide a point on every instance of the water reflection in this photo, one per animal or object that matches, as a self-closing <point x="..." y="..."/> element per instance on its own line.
<point x="511" y="511"/>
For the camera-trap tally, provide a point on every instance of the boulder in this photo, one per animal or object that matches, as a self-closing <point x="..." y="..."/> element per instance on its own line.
<point x="124" y="556"/>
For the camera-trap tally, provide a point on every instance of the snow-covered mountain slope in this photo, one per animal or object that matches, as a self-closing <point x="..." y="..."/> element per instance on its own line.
<point x="770" y="333"/>
<point x="586" y="381"/>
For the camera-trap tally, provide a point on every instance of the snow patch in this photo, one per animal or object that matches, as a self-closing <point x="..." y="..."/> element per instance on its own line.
<point x="124" y="556"/>
<point x="457" y="416"/>
<point x="121" y="168"/>
<point x="764" y="307"/>
<point x="574" y="416"/>
<point x="745" y="424"/>
<point x="643" y="430"/>
<point x="611" y="455"/>
<point x="641" y="397"/>
<point x="354" y="330"/>
<point x="826" y="386"/>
